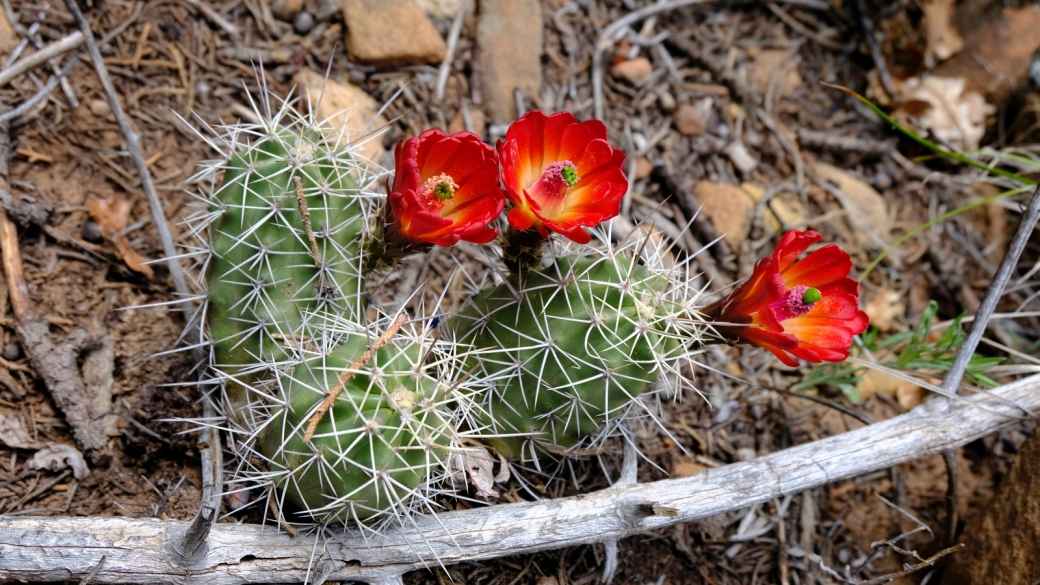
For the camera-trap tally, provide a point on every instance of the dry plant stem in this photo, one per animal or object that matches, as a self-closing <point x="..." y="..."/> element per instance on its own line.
<point x="139" y="551"/>
<point x="348" y="373"/>
<point x="134" y="148"/>
<point x="875" y="50"/>
<point x="967" y="349"/>
<point x="40" y="57"/>
<point x="44" y="92"/>
<point x="449" y="56"/>
<point x="305" y="213"/>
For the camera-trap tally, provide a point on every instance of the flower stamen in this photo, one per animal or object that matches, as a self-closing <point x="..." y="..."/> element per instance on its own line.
<point x="438" y="190"/>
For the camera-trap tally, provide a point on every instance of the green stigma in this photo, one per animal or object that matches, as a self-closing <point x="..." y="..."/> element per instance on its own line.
<point x="570" y="175"/>
<point x="443" y="191"/>
<point x="811" y="296"/>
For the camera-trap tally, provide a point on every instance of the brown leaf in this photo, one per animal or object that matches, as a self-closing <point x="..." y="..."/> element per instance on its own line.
<point x="942" y="106"/>
<point x="112" y="216"/>
<point x="13" y="432"/>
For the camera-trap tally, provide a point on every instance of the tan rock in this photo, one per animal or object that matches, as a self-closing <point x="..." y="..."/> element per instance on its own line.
<point x="441" y="8"/>
<point x="643" y="168"/>
<point x="477" y="120"/>
<point x="634" y="71"/>
<point x="389" y="33"/>
<point x="8" y="37"/>
<point x="348" y="108"/>
<point x="728" y="207"/>
<point x="692" y="119"/>
<point x="285" y="9"/>
<point x="778" y="62"/>
<point x="509" y="49"/>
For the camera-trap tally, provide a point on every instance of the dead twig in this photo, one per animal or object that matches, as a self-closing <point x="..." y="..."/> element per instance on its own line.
<point x="348" y="373"/>
<point x="875" y="49"/>
<point x="305" y="214"/>
<point x="40" y="57"/>
<point x="40" y="95"/>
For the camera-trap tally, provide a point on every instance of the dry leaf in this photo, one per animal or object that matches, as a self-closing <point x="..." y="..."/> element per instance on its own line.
<point x="112" y="216"/>
<point x="867" y="208"/>
<point x="59" y="456"/>
<point x="939" y="31"/>
<point x="13" y="432"/>
<point x="884" y="307"/>
<point x="477" y="464"/>
<point x="942" y="106"/>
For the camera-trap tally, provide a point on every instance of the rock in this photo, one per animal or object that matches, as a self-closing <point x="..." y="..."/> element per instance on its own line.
<point x="1001" y="47"/>
<point x="509" y="49"/>
<point x="91" y="232"/>
<point x="666" y="101"/>
<point x="345" y="106"/>
<point x="285" y="9"/>
<point x="477" y="120"/>
<point x="692" y="119"/>
<point x="303" y="23"/>
<point x="783" y="64"/>
<point x="634" y="71"/>
<point x="391" y="33"/>
<point x="8" y="37"/>
<point x="643" y="168"/>
<point x="741" y="157"/>
<point x="728" y="207"/>
<point x="12" y="351"/>
<point x="687" y="468"/>
<point x="441" y="8"/>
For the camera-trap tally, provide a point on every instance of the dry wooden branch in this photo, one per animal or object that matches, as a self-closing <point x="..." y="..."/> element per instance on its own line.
<point x="144" y="550"/>
<point x="45" y="54"/>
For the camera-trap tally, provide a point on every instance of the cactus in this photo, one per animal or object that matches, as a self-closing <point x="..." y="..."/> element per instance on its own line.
<point x="287" y="229"/>
<point x="384" y="435"/>
<point x="563" y="350"/>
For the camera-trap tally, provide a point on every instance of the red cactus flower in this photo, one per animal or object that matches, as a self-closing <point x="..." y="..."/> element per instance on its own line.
<point x="560" y="174"/>
<point x="445" y="189"/>
<point x="807" y="308"/>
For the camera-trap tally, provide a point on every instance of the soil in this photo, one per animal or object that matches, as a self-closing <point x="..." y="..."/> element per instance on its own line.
<point x="177" y="71"/>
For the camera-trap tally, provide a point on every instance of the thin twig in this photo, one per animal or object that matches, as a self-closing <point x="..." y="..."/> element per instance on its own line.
<point x="305" y="213"/>
<point x="59" y="47"/>
<point x="996" y="289"/>
<point x="449" y="55"/>
<point x="875" y="50"/>
<point x="133" y="146"/>
<point x="348" y="373"/>
<point x="40" y="95"/>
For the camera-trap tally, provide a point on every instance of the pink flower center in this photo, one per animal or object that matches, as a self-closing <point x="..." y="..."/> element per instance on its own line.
<point x="438" y="190"/>
<point x="558" y="177"/>
<point x="797" y="302"/>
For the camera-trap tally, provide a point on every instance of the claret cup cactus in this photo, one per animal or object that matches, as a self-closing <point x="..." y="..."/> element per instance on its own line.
<point x="344" y="411"/>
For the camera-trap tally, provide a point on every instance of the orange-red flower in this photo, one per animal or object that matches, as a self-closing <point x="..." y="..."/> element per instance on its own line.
<point x="560" y="174"/>
<point x="805" y="308"/>
<point x="445" y="190"/>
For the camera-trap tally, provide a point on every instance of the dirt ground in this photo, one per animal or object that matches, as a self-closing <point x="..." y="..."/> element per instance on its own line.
<point x="175" y="67"/>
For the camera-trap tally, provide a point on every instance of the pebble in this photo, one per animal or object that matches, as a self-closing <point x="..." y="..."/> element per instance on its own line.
<point x="91" y="232"/>
<point x="634" y="71"/>
<point x="509" y="52"/>
<point x="12" y="351"/>
<point x="692" y="120"/>
<point x="729" y="208"/>
<point x="476" y="118"/>
<point x="643" y="168"/>
<point x="391" y="33"/>
<point x="285" y="9"/>
<point x="667" y="101"/>
<point x="345" y="106"/>
<point x="303" y="23"/>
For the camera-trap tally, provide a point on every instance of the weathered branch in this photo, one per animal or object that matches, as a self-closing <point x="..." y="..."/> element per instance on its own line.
<point x="146" y="550"/>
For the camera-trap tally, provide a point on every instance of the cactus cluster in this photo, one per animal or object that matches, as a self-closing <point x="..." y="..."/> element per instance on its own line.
<point x="346" y="412"/>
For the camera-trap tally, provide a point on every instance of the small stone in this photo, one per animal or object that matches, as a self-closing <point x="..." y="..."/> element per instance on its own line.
<point x="741" y="157"/>
<point x="778" y="65"/>
<point x="441" y="8"/>
<point x="12" y="351"/>
<point x="509" y="49"/>
<point x="345" y="106"/>
<point x="391" y="33"/>
<point x="728" y="207"/>
<point x="643" y="168"/>
<point x="303" y="23"/>
<point x="285" y="9"/>
<point x="99" y="107"/>
<point x="91" y="232"/>
<point x="666" y="101"/>
<point x="634" y="71"/>
<point x="692" y="119"/>
<point x="477" y="120"/>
